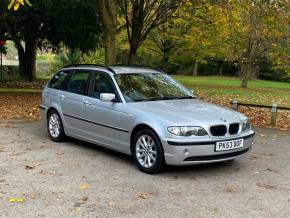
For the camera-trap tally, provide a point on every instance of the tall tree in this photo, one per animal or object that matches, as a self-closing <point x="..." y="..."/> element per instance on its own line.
<point x="75" y="23"/>
<point x="142" y="16"/>
<point x="256" y="31"/>
<point x="108" y="13"/>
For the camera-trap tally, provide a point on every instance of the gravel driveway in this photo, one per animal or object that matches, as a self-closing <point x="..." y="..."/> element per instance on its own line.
<point x="39" y="178"/>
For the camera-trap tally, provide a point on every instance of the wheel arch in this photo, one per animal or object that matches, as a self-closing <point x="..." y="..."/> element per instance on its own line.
<point x="49" y="110"/>
<point x="139" y="127"/>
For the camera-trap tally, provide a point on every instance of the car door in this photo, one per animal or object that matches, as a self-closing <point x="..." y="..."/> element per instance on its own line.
<point x="71" y="101"/>
<point x="104" y="117"/>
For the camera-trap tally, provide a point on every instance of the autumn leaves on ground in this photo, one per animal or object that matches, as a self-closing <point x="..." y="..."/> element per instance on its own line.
<point x="20" y="100"/>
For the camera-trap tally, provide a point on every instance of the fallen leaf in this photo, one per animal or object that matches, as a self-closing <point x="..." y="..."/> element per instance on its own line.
<point x="266" y="185"/>
<point x="111" y="204"/>
<point x="51" y="172"/>
<point x="31" y="167"/>
<point x="253" y="157"/>
<point x="146" y="195"/>
<point x="231" y="190"/>
<point x="83" y="200"/>
<point x="83" y="186"/>
<point x="16" y="200"/>
<point x="271" y="170"/>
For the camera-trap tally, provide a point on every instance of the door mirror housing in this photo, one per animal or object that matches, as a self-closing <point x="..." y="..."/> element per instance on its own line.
<point x="107" y="97"/>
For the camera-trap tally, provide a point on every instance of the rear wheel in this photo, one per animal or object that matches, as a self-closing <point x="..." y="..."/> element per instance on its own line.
<point x="148" y="152"/>
<point x="55" y="126"/>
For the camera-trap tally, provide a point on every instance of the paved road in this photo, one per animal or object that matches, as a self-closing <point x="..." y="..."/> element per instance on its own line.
<point x="77" y="179"/>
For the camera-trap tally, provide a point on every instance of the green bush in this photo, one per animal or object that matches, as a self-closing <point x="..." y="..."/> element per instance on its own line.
<point x="10" y="73"/>
<point x="269" y="72"/>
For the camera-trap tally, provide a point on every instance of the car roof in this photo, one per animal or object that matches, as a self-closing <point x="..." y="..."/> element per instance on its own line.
<point x="133" y="69"/>
<point x="115" y="69"/>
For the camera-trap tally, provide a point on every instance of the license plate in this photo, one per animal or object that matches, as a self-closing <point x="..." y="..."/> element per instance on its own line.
<point x="229" y="145"/>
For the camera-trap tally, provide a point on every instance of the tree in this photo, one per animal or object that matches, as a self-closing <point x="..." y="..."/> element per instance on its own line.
<point x="75" y="23"/>
<point x="163" y="42"/>
<point x="142" y="16"/>
<point x="245" y="32"/>
<point x="108" y="13"/>
<point x="256" y="31"/>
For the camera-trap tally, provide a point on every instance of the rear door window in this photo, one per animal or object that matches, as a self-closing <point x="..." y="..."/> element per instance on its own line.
<point x="58" y="80"/>
<point x="79" y="82"/>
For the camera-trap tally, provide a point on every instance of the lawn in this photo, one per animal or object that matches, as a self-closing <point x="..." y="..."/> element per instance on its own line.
<point x="228" y="88"/>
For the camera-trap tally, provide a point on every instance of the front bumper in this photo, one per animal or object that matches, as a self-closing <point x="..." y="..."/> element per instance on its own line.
<point x="190" y="153"/>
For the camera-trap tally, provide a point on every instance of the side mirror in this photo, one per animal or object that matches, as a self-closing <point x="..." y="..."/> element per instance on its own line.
<point x="107" y="97"/>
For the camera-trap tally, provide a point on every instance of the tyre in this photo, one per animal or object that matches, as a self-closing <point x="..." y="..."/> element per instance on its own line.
<point x="55" y="126"/>
<point x="147" y="152"/>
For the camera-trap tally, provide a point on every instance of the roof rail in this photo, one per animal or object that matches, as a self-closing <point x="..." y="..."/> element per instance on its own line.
<point x="90" y="65"/>
<point x="134" y="65"/>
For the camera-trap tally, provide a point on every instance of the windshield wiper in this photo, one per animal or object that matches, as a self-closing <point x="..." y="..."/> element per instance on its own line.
<point x="185" y="97"/>
<point x="166" y="98"/>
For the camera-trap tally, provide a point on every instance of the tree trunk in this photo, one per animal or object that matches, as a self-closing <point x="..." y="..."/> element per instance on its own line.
<point x="30" y="58"/>
<point x="221" y="68"/>
<point x="246" y="73"/>
<point x="21" y="58"/>
<point x="27" y="59"/>
<point x="132" y="58"/>
<point x="108" y="11"/>
<point x="110" y="47"/>
<point x="195" y="69"/>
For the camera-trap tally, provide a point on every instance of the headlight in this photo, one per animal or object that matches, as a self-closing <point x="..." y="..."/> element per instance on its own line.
<point x="187" y="130"/>
<point x="246" y="125"/>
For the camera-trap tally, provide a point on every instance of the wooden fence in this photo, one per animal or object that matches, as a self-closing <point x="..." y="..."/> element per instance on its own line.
<point x="274" y="108"/>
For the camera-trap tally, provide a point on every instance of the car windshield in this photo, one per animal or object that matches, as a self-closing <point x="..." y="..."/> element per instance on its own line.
<point x="150" y="87"/>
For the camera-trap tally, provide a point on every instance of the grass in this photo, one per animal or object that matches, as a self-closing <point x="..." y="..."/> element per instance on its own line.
<point x="230" y="81"/>
<point x="11" y="90"/>
<point x="259" y="91"/>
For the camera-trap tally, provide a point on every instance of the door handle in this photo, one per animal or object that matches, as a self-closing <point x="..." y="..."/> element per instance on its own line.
<point x="87" y="103"/>
<point x="62" y="97"/>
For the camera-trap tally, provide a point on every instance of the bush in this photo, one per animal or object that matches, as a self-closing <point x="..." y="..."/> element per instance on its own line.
<point x="10" y="73"/>
<point x="269" y="72"/>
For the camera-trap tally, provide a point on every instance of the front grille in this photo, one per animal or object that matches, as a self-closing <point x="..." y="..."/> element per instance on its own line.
<point x="219" y="130"/>
<point x="217" y="156"/>
<point x="234" y="128"/>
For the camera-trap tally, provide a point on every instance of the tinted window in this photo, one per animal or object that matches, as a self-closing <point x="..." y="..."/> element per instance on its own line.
<point x="57" y="81"/>
<point x="78" y="82"/>
<point x="103" y="84"/>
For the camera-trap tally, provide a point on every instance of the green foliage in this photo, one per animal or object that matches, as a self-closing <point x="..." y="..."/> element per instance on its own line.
<point x="67" y="57"/>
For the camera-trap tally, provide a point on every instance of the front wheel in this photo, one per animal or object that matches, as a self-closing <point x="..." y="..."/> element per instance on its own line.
<point x="55" y="126"/>
<point x="148" y="152"/>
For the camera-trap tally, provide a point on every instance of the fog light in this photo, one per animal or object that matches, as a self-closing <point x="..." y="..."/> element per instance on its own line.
<point x="186" y="151"/>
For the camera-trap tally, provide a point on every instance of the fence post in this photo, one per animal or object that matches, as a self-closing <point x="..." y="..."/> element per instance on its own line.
<point x="235" y="104"/>
<point x="274" y="114"/>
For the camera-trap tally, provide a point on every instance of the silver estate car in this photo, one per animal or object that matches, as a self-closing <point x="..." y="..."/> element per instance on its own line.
<point x="144" y="113"/>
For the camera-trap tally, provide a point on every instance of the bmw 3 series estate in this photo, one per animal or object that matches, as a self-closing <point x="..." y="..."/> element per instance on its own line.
<point x="144" y="113"/>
